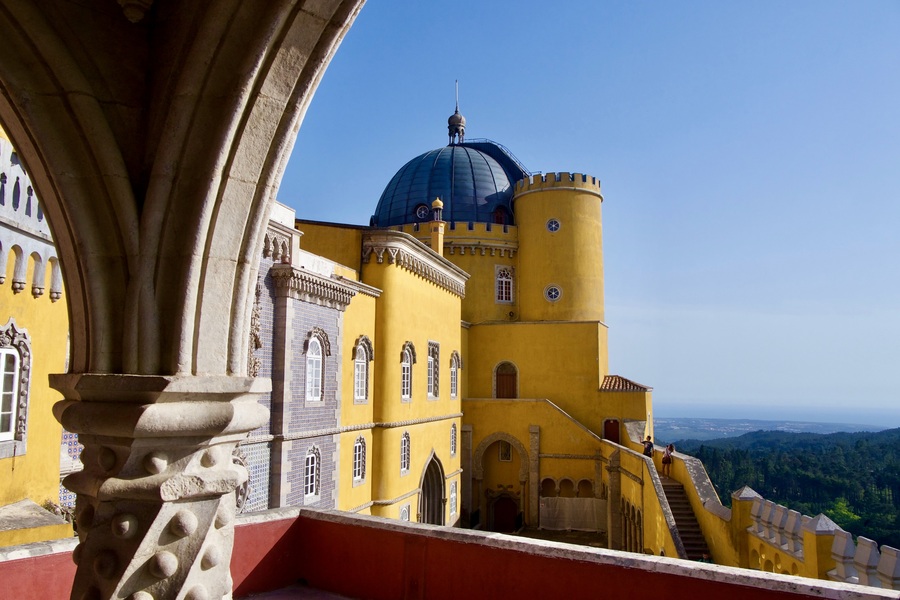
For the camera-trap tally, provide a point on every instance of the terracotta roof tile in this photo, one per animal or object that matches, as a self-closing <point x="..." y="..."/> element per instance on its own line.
<point x="615" y="383"/>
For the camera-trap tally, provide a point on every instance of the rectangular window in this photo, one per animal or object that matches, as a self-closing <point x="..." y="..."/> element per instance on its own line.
<point x="9" y="377"/>
<point x="359" y="380"/>
<point x="454" y="376"/>
<point x="431" y="377"/>
<point x="505" y="451"/>
<point x="434" y="361"/>
<point x="358" y="460"/>
<point x="452" y="497"/>
<point x="406" y="382"/>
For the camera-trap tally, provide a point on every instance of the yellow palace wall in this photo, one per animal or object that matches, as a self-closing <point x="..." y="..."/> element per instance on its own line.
<point x="479" y="251"/>
<point x="412" y="309"/>
<point x="35" y="475"/>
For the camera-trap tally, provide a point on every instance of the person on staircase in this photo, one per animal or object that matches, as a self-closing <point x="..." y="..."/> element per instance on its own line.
<point x="667" y="460"/>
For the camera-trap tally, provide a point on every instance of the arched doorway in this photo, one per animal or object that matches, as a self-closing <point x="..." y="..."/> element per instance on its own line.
<point x="506" y="381"/>
<point x="431" y="499"/>
<point x="611" y="430"/>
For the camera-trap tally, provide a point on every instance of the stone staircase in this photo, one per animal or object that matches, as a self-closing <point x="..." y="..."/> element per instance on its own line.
<point x="685" y="521"/>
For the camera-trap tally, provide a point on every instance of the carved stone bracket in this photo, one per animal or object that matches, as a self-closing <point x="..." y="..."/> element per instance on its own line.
<point x="309" y="287"/>
<point x="156" y="502"/>
<point x="405" y="251"/>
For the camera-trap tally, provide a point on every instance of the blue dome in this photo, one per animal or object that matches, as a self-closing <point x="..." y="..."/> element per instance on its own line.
<point x="474" y="180"/>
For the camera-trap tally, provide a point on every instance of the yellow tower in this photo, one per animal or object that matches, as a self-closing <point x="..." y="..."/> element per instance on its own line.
<point x="560" y="241"/>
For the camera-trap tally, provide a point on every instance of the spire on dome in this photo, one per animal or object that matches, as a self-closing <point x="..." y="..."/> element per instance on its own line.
<point x="456" y="124"/>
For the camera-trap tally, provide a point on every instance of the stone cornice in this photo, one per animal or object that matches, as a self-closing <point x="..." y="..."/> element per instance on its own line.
<point x="405" y="251"/>
<point x="407" y="423"/>
<point x="306" y="286"/>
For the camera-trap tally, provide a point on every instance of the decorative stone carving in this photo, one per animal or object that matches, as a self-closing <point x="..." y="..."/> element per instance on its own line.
<point x="156" y="499"/>
<point x="406" y="252"/>
<point x="253" y="361"/>
<point x="243" y="491"/>
<point x="300" y="284"/>
<point x="13" y="337"/>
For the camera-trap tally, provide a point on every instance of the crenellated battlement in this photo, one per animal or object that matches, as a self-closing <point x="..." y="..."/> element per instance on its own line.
<point x="558" y="181"/>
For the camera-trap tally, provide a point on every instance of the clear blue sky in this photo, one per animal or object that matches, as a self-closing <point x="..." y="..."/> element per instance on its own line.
<point x="750" y="160"/>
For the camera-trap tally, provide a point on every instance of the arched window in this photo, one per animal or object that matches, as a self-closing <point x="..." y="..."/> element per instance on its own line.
<point x="359" y="459"/>
<point x="364" y="354"/>
<point x="455" y="363"/>
<point x="404" y="512"/>
<point x="360" y="374"/>
<point x="404" y="453"/>
<point x="504" y="285"/>
<point x="453" y="440"/>
<point x="434" y="361"/>
<point x="311" y="473"/>
<point x="314" y="371"/>
<point x="407" y="360"/>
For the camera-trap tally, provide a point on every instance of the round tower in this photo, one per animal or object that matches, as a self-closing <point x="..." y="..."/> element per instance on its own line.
<point x="560" y="241"/>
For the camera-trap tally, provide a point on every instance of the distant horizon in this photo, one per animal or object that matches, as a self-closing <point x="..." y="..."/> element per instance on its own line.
<point x="873" y="417"/>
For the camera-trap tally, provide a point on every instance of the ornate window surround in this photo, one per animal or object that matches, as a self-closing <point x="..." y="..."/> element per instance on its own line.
<point x="453" y="442"/>
<point x="455" y="366"/>
<point x="15" y="341"/>
<point x="404" y="453"/>
<point x="407" y="360"/>
<point x="434" y="367"/>
<point x="311" y="474"/>
<point x="316" y="339"/>
<point x="362" y="356"/>
<point x="359" y="461"/>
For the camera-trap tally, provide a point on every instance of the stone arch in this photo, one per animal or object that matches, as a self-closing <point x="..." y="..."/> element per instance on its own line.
<point x="585" y="488"/>
<point x="431" y="491"/>
<point x="156" y="142"/>
<point x="496" y="437"/>
<point x="548" y="488"/>
<point x="230" y="108"/>
<point x="567" y="488"/>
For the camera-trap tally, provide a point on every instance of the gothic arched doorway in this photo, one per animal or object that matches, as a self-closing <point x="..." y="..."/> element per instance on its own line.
<point x="506" y="381"/>
<point x="431" y="499"/>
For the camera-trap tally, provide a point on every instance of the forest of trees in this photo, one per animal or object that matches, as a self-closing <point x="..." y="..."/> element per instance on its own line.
<point x="854" y="478"/>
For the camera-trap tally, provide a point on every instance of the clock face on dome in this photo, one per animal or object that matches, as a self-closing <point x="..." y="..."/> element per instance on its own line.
<point x="422" y="211"/>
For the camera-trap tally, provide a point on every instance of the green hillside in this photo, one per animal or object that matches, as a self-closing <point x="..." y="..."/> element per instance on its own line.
<point x="854" y="478"/>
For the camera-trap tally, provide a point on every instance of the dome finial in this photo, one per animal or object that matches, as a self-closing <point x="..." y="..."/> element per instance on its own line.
<point x="456" y="124"/>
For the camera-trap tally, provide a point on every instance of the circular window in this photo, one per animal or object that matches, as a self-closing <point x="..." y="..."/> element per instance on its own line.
<point x="422" y="211"/>
<point x="553" y="225"/>
<point x="552" y="293"/>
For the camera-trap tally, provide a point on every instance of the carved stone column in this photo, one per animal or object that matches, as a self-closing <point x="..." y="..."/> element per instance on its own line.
<point x="155" y="507"/>
<point x="614" y="503"/>
<point x="468" y="472"/>
<point x="534" y="474"/>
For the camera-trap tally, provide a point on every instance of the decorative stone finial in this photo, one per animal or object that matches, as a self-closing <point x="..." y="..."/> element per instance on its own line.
<point x="456" y="124"/>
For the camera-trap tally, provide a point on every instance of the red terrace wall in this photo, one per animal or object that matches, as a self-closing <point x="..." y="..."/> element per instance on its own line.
<point x="44" y="577"/>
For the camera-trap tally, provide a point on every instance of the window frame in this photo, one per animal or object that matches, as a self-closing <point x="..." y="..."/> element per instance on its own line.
<point x="504" y="290"/>
<point x="360" y="375"/>
<point x="311" y="474"/>
<point x="9" y="398"/>
<point x="455" y="363"/>
<point x="359" y="460"/>
<point x="453" y="498"/>
<point x="315" y="370"/>
<point x="16" y="342"/>
<point x="453" y="440"/>
<point x="434" y="365"/>
<point x="405" y="453"/>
